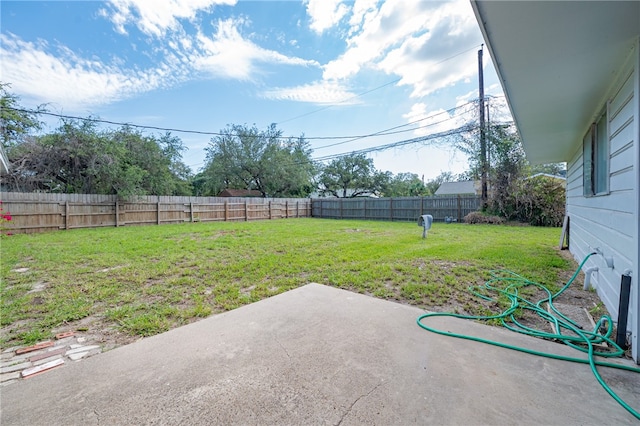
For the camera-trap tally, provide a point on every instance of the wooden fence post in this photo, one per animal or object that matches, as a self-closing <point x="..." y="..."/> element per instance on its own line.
<point x="66" y="215"/>
<point x="270" y="213"/>
<point x="117" y="214"/>
<point x="341" y="207"/>
<point x="286" y="209"/>
<point x="391" y="209"/>
<point x="191" y="212"/>
<point x="365" y="209"/>
<point x="246" y="211"/>
<point x="297" y="211"/>
<point x="459" y="210"/>
<point x="226" y="211"/>
<point x="158" y="210"/>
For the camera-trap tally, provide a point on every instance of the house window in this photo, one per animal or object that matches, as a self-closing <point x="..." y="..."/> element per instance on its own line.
<point x="596" y="158"/>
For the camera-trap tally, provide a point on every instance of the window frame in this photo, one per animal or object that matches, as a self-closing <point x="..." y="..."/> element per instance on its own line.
<point x="596" y="156"/>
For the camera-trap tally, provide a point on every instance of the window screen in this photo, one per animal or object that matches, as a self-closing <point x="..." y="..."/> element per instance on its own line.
<point x="595" y="152"/>
<point x="587" y="156"/>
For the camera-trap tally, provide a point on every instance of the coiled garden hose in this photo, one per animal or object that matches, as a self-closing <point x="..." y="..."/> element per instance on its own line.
<point x="581" y="340"/>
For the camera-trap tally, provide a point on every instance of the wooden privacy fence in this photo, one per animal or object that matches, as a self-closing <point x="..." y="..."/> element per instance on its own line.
<point x="398" y="209"/>
<point x="36" y="212"/>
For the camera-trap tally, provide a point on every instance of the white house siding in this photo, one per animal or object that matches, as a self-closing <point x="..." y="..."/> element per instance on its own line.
<point x="610" y="222"/>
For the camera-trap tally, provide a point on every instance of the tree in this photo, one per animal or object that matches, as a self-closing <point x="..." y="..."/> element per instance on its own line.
<point x="506" y="168"/>
<point x="352" y="176"/>
<point x="78" y="158"/>
<point x="513" y="194"/>
<point x="158" y="161"/>
<point x="244" y="157"/>
<point x="15" y="121"/>
<point x="73" y="159"/>
<point x="405" y="185"/>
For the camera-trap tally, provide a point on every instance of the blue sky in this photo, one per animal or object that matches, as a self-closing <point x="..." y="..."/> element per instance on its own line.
<point x="322" y="68"/>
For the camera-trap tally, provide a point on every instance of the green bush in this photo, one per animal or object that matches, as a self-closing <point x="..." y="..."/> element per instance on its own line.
<point x="539" y="201"/>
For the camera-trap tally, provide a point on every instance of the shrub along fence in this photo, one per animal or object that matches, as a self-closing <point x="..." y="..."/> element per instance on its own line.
<point x="396" y="209"/>
<point x="36" y="212"/>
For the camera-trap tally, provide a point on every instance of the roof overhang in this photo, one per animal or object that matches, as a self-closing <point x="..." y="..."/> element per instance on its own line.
<point x="556" y="60"/>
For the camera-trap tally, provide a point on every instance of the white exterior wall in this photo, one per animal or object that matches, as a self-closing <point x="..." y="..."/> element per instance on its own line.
<point x="610" y="222"/>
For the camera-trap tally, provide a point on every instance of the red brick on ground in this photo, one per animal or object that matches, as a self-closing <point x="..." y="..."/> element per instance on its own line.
<point x="65" y="334"/>
<point x="48" y="354"/>
<point x="34" y="348"/>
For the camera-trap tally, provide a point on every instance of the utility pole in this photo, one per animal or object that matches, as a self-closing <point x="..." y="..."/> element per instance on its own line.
<point x="489" y="135"/>
<point x="483" y="136"/>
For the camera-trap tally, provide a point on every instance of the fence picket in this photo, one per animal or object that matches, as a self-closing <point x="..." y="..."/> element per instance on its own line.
<point x="36" y="212"/>
<point x="396" y="208"/>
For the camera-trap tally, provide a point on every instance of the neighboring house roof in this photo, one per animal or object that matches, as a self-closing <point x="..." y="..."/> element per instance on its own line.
<point x="577" y="47"/>
<point x="457" y="188"/>
<point x="562" y="180"/>
<point x="547" y="175"/>
<point x="240" y="193"/>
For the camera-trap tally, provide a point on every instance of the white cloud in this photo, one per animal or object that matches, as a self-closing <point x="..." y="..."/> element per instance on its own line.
<point x="427" y="62"/>
<point x="57" y="75"/>
<point x="362" y="11"/>
<point x="325" y="14"/>
<point x="381" y="29"/>
<point x="320" y="92"/>
<point x="64" y="79"/>
<point x="154" y="17"/>
<point x="227" y="54"/>
<point x="415" y="40"/>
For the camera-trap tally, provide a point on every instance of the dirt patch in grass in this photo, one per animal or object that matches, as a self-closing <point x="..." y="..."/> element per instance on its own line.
<point x="98" y="331"/>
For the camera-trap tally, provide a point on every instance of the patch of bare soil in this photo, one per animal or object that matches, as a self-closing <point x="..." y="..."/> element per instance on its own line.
<point x="98" y="331"/>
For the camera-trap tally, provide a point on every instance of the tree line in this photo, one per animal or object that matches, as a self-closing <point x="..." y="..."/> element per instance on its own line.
<point x="78" y="157"/>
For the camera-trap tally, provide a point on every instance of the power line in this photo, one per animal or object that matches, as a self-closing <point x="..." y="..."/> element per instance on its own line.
<point x="390" y="131"/>
<point x="208" y="133"/>
<point x="99" y="120"/>
<point x="377" y="148"/>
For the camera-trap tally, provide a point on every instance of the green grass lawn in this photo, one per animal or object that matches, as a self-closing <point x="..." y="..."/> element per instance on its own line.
<point x="146" y="280"/>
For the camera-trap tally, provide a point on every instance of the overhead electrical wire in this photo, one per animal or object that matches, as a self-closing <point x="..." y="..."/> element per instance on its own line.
<point x="351" y="138"/>
<point x="390" y="131"/>
<point x="375" y="148"/>
<point x="208" y="133"/>
<point x="419" y="139"/>
<point x="115" y="123"/>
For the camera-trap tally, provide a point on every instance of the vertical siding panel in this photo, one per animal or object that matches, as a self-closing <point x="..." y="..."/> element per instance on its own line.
<point x="610" y="222"/>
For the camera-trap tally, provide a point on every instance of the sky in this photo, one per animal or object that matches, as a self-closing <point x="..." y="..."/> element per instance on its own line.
<point x="330" y="70"/>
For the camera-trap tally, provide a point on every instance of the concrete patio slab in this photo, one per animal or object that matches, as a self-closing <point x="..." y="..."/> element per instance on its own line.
<point x="320" y="355"/>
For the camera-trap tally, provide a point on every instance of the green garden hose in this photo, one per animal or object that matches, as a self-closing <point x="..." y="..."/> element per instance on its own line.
<point x="507" y="285"/>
